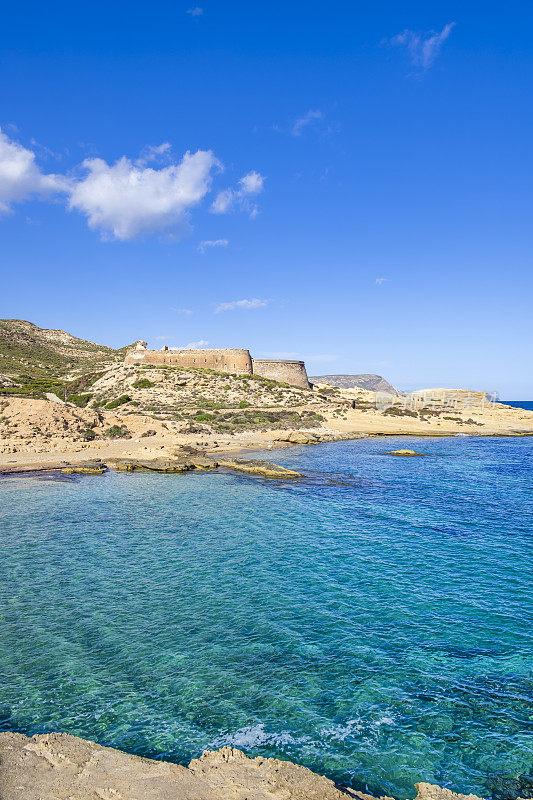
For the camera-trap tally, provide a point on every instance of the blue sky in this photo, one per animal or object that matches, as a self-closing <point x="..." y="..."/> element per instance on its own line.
<point x="357" y="191"/>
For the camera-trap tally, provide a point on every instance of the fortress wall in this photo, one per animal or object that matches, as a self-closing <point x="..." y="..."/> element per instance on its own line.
<point x="291" y="372"/>
<point x="226" y="360"/>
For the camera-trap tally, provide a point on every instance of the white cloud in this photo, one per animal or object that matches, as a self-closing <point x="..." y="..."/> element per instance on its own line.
<point x="126" y="200"/>
<point x="186" y="311"/>
<point x="191" y="345"/>
<point x="250" y="184"/>
<point x="208" y="243"/>
<point x="380" y="281"/>
<point x="247" y="305"/>
<point x="195" y="12"/>
<point x="308" y="119"/>
<point x="423" y="48"/>
<point x="20" y="176"/>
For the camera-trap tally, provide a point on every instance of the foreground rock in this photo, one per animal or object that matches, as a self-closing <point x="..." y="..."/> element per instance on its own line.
<point x="57" y="766"/>
<point x="185" y="459"/>
<point x="178" y="459"/>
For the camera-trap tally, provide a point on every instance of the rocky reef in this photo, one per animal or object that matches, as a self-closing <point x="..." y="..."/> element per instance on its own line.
<point x="57" y="766"/>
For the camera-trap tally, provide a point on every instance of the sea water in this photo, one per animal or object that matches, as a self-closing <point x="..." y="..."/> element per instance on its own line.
<point x="372" y="621"/>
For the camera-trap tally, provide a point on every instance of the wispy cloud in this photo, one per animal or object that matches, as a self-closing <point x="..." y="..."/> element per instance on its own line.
<point x="153" y="152"/>
<point x="309" y="118"/>
<point x="280" y="354"/>
<point x="209" y="243"/>
<point x="191" y="345"/>
<point x="228" y="200"/>
<point x="186" y="311"/>
<point x="381" y="281"/>
<point x="246" y="305"/>
<point x="324" y="357"/>
<point x="162" y="338"/>
<point x="423" y="48"/>
<point x="196" y="11"/>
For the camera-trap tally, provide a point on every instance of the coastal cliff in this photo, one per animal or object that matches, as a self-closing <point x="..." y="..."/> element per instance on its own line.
<point x="64" y="767"/>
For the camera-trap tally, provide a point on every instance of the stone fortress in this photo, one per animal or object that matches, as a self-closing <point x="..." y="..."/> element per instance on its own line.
<point x="225" y="360"/>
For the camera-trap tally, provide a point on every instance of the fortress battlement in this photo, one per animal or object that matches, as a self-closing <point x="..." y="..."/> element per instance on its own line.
<point x="223" y="360"/>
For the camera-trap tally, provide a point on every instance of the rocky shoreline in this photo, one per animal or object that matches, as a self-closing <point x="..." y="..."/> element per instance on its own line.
<point x="171" y="458"/>
<point x="57" y="766"/>
<point x="177" y="460"/>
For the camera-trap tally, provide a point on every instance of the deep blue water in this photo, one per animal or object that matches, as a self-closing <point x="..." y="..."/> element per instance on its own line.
<point x="526" y="404"/>
<point x="375" y="626"/>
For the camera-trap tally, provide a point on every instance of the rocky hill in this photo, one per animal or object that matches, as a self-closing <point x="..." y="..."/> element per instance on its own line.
<point x="372" y="383"/>
<point x="202" y="399"/>
<point x="35" y="360"/>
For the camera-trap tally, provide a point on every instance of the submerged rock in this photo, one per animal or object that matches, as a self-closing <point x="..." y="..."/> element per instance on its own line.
<point x="64" y="767"/>
<point x="85" y="468"/>
<point x="404" y="453"/>
<point x="265" y="469"/>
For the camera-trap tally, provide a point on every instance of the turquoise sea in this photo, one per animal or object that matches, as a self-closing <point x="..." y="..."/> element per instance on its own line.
<point x="372" y="622"/>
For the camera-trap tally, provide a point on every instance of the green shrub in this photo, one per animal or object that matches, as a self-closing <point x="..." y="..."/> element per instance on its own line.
<point x="88" y="435"/>
<point x="125" y="398"/>
<point x="117" y="432"/>
<point x="244" y="404"/>
<point x="143" y="383"/>
<point x="394" y="411"/>
<point x="79" y="400"/>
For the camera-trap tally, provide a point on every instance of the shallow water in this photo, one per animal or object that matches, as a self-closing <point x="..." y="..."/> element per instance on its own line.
<point x="376" y="628"/>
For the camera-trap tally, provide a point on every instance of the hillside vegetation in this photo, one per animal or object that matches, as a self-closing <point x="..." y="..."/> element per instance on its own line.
<point x="203" y="399"/>
<point x="35" y="360"/>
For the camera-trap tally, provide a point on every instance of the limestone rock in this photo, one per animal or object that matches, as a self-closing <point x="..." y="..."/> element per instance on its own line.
<point x="264" y="469"/>
<point x="85" y="468"/>
<point x="57" y="766"/>
<point x="298" y="437"/>
<point x="177" y="459"/>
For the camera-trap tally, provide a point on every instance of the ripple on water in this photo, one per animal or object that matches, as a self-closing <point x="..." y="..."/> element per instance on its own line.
<point x="372" y="622"/>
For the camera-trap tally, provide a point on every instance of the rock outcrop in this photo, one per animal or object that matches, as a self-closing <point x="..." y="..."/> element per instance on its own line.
<point x="372" y="383"/>
<point x="57" y="766"/>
